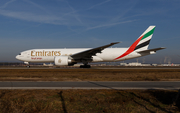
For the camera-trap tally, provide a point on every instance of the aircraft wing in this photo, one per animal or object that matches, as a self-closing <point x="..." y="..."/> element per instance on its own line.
<point x="150" y="50"/>
<point x="91" y="52"/>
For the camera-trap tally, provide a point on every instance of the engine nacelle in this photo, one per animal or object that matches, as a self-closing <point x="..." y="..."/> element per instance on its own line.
<point x="62" y="61"/>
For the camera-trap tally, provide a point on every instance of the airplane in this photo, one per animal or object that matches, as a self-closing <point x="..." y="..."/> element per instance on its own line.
<point x="69" y="57"/>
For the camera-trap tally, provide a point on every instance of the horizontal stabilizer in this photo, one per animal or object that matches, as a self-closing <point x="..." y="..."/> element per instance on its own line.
<point x="150" y="50"/>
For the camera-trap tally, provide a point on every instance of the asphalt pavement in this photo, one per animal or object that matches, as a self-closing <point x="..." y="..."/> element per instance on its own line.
<point x="166" y="85"/>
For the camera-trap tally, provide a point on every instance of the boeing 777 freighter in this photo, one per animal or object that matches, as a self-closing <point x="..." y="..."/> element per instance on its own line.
<point x="69" y="57"/>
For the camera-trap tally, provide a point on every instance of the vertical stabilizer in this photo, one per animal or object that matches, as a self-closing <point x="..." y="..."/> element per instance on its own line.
<point x="141" y="44"/>
<point x="144" y="40"/>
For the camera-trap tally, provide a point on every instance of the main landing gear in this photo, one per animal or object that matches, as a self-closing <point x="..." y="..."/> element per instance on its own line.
<point x="85" y="66"/>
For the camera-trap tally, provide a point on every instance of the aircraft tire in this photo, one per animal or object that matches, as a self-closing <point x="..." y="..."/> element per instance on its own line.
<point x="85" y="66"/>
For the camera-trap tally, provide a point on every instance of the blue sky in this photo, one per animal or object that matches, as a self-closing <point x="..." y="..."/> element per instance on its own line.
<point x="29" y="24"/>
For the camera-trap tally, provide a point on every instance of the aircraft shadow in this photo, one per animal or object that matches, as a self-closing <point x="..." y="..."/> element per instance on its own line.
<point x="62" y="100"/>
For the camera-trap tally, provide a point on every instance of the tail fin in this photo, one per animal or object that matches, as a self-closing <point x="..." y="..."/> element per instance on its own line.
<point x="143" y="41"/>
<point x="141" y="44"/>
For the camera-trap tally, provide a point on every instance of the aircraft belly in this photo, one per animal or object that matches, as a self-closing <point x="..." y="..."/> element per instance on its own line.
<point x="132" y="55"/>
<point x="96" y="59"/>
<point x="106" y="57"/>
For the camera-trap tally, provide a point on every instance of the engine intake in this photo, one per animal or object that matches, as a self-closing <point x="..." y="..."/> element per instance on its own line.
<point x="63" y="61"/>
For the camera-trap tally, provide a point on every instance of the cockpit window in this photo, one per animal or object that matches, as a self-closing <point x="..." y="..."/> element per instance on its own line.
<point x="19" y="53"/>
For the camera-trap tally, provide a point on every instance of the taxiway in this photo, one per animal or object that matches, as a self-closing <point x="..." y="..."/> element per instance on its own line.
<point x="169" y="85"/>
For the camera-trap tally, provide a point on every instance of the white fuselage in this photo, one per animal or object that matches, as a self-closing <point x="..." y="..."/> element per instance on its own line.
<point x="48" y="55"/>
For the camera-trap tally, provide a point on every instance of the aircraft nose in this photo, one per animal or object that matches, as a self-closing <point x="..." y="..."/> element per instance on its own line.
<point x="17" y="57"/>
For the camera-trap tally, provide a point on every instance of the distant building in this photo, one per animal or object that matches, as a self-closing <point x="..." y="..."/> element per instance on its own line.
<point x="154" y="65"/>
<point x="44" y="64"/>
<point x="77" y="65"/>
<point x="135" y="64"/>
<point x="123" y="64"/>
<point x="145" y="64"/>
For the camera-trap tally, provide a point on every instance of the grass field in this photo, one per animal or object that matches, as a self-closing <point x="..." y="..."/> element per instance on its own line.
<point x="89" y="74"/>
<point x="88" y="101"/>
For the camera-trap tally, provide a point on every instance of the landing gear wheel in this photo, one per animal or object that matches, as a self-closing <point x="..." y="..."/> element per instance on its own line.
<point x="85" y="66"/>
<point x="28" y="66"/>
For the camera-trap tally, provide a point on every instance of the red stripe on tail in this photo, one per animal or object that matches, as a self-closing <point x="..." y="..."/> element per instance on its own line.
<point x="131" y="48"/>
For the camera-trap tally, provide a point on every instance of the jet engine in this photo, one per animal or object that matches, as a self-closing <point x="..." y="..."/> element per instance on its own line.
<point x="63" y="61"/>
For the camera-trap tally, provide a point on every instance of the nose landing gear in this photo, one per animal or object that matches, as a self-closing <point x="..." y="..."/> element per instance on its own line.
<point x="27" y="63"/>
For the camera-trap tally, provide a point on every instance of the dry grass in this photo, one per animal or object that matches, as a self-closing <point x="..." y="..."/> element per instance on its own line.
<point x="89" y="74"/>
<point x="88" y="101"/>
<point x="77" y="101"/>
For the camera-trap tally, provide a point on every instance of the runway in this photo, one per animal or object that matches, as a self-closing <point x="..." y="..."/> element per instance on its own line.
<point x="166" y="85"/>
<point x="93" y="67"/>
